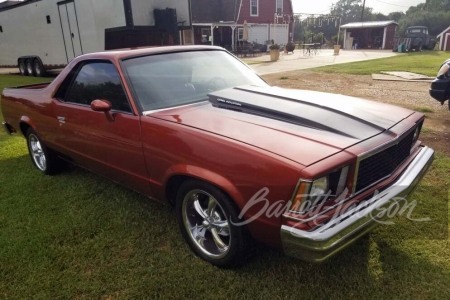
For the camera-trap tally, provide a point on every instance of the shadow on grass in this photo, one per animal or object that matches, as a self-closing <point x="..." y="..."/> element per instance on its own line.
<point x="371" y="267"/>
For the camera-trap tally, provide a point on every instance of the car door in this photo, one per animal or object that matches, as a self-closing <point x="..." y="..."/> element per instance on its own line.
<point x="106" y="142"/>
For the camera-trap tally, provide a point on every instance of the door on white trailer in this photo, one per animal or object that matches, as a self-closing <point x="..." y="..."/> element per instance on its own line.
<point x="70" y="29"/>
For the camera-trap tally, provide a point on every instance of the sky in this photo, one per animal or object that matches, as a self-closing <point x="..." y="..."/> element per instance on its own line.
<point x="382" y="6"/>
<point x="323" y="6"/>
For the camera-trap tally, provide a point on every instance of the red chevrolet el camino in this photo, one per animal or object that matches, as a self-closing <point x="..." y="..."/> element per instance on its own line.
<point x="239" y="160"/>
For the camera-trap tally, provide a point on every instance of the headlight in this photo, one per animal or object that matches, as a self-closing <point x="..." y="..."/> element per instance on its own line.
<point x="319" y="187"/>
<point x="310" y="194"/>
<point x="443" y="71"/>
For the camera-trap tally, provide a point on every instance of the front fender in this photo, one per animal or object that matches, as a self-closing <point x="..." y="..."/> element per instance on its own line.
<point x="24" y="120"/>
<point x="208" y="176"/>
<point x="262" y="229"/>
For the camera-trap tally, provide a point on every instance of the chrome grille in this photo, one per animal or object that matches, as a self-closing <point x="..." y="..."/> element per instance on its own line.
<point x="380" y="165"/>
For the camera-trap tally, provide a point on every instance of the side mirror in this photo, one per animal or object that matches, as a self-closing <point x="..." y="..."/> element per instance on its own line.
<point x="101" y="105"/>
<point x="104" y="106"/>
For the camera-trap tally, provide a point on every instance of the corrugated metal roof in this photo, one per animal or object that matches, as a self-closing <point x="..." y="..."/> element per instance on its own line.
<point x="368" y="24"/>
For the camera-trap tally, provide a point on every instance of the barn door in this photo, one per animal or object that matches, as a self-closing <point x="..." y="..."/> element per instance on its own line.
<point x="70" y="29"/>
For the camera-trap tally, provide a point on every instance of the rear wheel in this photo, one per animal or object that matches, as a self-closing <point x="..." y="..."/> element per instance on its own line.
<point x="38" y="68"/>
<point x="43" y="158"/>
<point x="206" y="217"/>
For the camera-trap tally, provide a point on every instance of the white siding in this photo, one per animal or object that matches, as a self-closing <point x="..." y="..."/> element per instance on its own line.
<point x="94" y="16"/>
<point x="258" y="33"/>
<point x="261" y="33"/>
<point x="279" y="33"/>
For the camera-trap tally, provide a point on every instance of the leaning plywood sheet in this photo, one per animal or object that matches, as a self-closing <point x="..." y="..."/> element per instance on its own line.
<point x="402" y="76"/>
<point x="408" y="75"/>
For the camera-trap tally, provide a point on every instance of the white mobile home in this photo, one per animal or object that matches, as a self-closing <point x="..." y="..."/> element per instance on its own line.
<point x="42" y="34"/>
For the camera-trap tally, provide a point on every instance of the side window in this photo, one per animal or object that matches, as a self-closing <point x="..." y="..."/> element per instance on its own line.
<point x="254" y="7"/>
<point x="98" y="80"/>
<point x="279" y="7"/>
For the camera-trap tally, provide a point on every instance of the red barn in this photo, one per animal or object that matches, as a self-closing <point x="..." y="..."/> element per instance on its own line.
<point x="221" y="22"/>
<point x="444" y="40"/>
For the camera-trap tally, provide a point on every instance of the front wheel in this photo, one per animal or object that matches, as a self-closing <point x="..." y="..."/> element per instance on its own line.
<point x="206" y="217"/>
<point x="43" y="158"/>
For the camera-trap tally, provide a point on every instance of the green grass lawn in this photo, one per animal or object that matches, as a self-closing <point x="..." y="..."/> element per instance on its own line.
<point x="427" y="63"/>
<point x="77" y="235"/>
<point x="17" y="80"/>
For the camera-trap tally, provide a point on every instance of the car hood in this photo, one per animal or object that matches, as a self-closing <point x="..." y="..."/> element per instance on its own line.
<point x="303" y="126"/>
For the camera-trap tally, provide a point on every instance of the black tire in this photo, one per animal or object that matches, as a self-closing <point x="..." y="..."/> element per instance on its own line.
<point x="44" y="159"/>
<point x="22" y="67"/>
<point x="38" y="68"/>
<point x="431" y="45"/>
<point x="29" y="66"/>
<point x="208" y="227"/>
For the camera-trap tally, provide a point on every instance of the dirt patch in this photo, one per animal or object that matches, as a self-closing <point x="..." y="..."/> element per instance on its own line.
<point x="412" y="95"/>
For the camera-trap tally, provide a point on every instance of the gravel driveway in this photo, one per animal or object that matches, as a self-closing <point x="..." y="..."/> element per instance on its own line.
<point x="413" y="95"/>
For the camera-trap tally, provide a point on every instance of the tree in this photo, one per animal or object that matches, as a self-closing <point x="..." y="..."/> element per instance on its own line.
<point x="396" y="16"/>
<point x="435" y="14"/>
<point x="435" y="21"/>
<point x="437" y="5"/>
<point x="351" y="10"/>
<point x="380" y="17"/>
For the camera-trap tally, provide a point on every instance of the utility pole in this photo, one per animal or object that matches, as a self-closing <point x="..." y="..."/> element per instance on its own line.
<point x="362" y="12"/>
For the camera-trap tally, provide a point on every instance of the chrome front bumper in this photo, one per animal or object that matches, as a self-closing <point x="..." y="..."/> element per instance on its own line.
<point x="320" y="244"/>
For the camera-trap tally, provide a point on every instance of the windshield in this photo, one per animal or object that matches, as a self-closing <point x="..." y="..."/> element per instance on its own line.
<point x="173" y="79"/>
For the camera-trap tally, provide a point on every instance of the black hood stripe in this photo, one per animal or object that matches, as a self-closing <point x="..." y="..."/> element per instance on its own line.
<point x="266" y="93"/>
<point x="266" y="102"/>
<point x="270" y="113"/>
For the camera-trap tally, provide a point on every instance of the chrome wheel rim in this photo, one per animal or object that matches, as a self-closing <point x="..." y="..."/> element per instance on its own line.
<point x="206" y="223"/>
<point x="37" y="153"/>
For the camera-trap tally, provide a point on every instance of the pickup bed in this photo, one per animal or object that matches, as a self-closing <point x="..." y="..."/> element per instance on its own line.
<point x="24" y="95"/>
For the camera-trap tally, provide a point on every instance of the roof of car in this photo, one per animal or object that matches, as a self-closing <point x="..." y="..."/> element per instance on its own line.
<point x="135" y="52"/>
